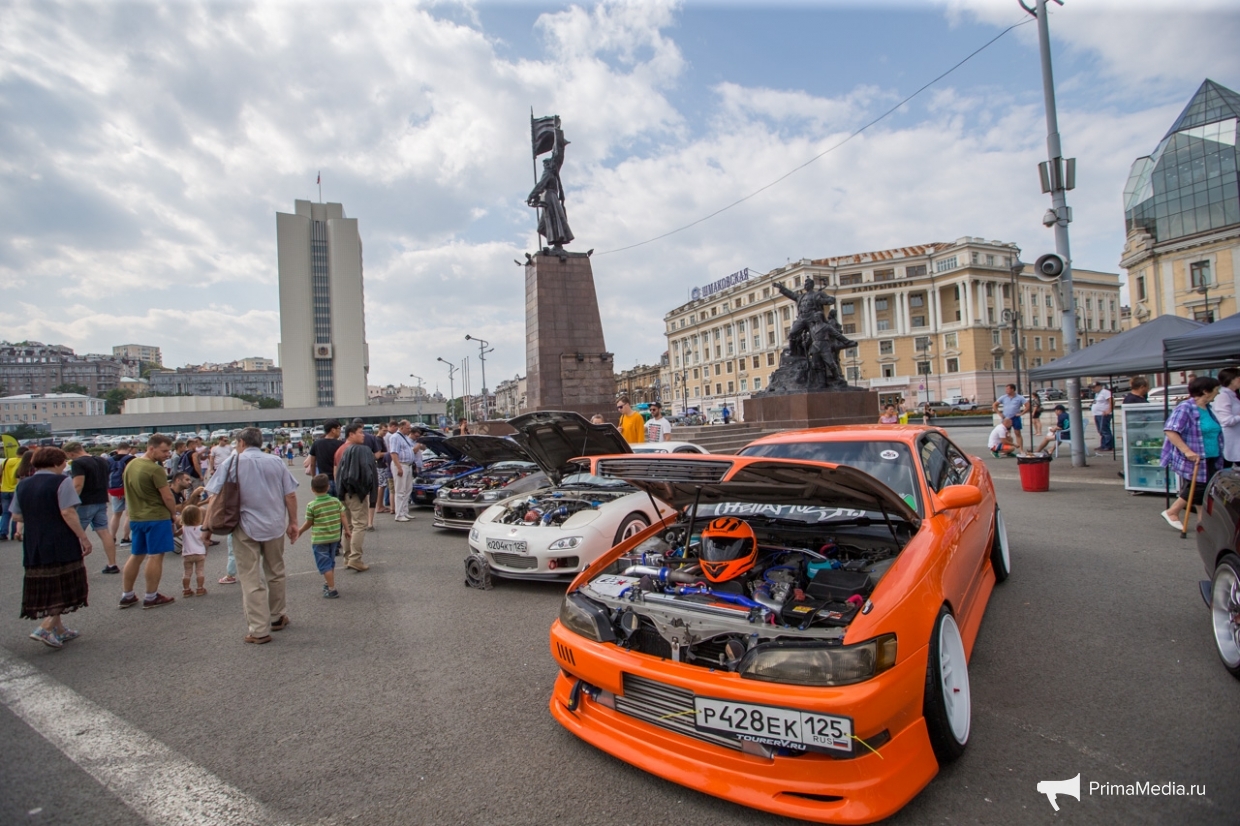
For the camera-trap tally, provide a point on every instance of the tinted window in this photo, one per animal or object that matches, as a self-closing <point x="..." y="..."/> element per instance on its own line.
<point x="888" y="462"/>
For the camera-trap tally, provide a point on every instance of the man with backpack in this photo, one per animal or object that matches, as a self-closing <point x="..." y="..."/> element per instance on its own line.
<point x="118" y="522"/>
<point x="190" y="461"/>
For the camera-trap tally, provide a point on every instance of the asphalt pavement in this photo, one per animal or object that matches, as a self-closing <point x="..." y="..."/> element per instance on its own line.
<point x="414" y="700"/>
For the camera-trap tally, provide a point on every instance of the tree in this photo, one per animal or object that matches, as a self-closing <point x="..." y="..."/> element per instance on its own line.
<point x="115" y="399"/>
<point x="28" y="431"/>
<point x="263" y="402"/>
<point x="71" y="388"/>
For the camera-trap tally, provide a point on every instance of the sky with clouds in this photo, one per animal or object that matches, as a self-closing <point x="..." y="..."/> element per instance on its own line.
<point x="146" y="147"/>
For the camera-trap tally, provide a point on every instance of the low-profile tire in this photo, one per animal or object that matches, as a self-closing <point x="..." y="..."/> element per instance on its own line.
<point x="1000" y="550"/>
<point x="631" y="525"/>
<point x="1225" y="612"/>
<point x="948" y="706"/>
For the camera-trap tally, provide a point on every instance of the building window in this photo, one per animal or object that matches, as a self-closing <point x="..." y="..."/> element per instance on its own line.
<point x="990" y="315"/>
<point x="848" y="279"/>
<point x="921" y="343"/>
<point x="730" y="387"/>
<point x="1199" y="274"/>
<point x="1037" y="362"/>
<point x="1050" y="303"/>
<point x="756" y="362"/>
<point x="766" y="292"/>
<point x="796" y="280"/>
<point x="915" y="272"/>
<point x="883" y="325"/>
<point x="917" y="300"/>
<point x="880" y="304"/>
<point x="719" y="369"/>
<point x="953" y="365"/>
<point x="951" y="341"/>
<point x="718" y="353"/>
<point x="990" y="290"/>
<point x="990" y="260"/>
<point x="770" y="359"/>
<point x="998" y="362"/>
<point x="919" y="321"/>
<point x="889" y="371"/>
<point x="770" y="338"/>
<point x="714" y="311"/>
<point x="744" y="385"/>
<point x="696" y="373"/>
<point x="850" y="353"/>
<point x="729" y="367"/>
<point x="718" y="389"/>
<point x="1037" y="343"/>
<point x="848" y="308"/>
<point x="740" y="326"/>
<point x="730" y="351"/>
<point x="854" y="373"/>
<point x="945" y="264"/>
<point x="757" y="384"/>
<point x="884" y="275"/>
<point x="886" y="347"/>
<point x="757" y="341"/>
<point x="851" y="329"/>
<point x="786" y="313"/>
<point x="923" y="368"/>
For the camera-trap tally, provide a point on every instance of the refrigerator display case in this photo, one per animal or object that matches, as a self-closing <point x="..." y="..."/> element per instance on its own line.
<point x="1142" y="429"/>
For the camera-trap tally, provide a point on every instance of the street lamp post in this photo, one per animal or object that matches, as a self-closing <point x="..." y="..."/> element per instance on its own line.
<point x="482" y="357"/>
<point x="1205" y="289"/>
<point x="452" y="368"/>
<point x="994" y="390"/>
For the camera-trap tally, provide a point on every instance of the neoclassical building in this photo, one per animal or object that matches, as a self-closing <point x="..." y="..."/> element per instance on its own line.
<point x="928" y="320"/>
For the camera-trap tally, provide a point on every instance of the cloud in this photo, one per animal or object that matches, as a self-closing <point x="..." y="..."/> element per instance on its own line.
<point x="144" y="149"/>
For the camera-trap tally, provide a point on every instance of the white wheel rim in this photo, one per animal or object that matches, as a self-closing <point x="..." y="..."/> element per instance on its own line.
<point x="1225" y="608"/>
<point x="1001" y="529"/>
<point x="954" y="679"/>
<point x="634" y="528"/>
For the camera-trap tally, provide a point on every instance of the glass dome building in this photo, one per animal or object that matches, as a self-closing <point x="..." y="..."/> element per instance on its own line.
<point x="1188" y="184"/>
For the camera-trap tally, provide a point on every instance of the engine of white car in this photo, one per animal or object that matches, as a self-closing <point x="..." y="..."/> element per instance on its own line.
<point x="554" y="507"/>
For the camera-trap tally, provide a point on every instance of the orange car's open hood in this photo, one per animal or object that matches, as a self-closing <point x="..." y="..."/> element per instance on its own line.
<point x="680" y="481"/>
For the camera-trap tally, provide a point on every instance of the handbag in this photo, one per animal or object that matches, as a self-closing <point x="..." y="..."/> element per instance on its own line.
<point x="224" y="509"/>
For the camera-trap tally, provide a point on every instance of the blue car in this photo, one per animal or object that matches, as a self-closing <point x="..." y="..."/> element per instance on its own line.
<point x="426" y="485"/>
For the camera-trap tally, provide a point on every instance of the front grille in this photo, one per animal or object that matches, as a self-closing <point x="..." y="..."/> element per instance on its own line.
<point x="647" y="640"/>
<point x="701" y="471"/>
<point x="667" y="707"/>
<point x="513" y="560"/>
<point x="458" y="513"/>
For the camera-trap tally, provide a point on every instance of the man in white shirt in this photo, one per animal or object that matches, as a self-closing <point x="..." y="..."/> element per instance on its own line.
<point x="404" y="467"/>
<point x="1012" y="405"/>
<point x="658" y="429"/>
<point x="219" y="455"/>
<point x="1001" y="442"/>
<point x="1101" y="408"/>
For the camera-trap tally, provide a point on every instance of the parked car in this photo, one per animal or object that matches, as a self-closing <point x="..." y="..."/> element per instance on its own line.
<point x="555" y="532"/>
<point x="449" y="463"/>
<point x="1216" y="542"/>
<point x="505" y="470"/>
<point x="796" y="637"/>
<point x="961" y="403"/>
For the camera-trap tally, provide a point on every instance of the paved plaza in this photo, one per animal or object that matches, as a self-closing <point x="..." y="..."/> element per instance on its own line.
<point x="412" y="699"/>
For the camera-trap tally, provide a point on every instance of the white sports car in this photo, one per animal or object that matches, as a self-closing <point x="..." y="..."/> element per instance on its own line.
<point x="556" y="532"/>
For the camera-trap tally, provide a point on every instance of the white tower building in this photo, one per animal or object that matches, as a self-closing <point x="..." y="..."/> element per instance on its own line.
<point x="323" y="349"/>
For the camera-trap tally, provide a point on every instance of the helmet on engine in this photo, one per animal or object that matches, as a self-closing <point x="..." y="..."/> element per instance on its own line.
<point x="729" y="549"/>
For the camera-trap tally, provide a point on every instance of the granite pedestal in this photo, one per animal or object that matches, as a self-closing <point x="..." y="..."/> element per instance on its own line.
<point x="798" y="410"/>
<point x="566" y="361"/>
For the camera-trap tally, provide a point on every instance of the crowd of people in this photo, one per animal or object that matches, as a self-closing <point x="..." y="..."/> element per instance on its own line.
<point x="177" y="497"/>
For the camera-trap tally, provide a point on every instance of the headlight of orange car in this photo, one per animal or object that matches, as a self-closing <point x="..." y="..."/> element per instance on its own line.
<point x="813" y="663"/>
<point x="590" y="620"/>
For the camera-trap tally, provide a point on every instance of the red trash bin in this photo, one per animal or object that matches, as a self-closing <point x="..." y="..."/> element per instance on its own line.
<point x="1035" y="473"/>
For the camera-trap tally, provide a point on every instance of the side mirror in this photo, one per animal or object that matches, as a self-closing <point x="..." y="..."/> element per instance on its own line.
<point x="959" y="496"/>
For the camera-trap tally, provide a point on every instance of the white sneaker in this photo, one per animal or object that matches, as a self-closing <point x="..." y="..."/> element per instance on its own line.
<point x="402" y="519"/>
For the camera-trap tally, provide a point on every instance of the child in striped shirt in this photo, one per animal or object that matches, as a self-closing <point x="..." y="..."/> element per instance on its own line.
<point x="323" y="520"/>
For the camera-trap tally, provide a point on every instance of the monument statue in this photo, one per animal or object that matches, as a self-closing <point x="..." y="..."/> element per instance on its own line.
<point x="811" y="361"/>
<point x="547" y="196"/>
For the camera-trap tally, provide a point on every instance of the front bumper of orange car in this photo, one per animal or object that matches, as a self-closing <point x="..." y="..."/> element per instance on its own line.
<point x="866" y="787"/>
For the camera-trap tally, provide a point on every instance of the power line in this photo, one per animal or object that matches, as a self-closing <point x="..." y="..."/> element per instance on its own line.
<point x="827" y="151"/>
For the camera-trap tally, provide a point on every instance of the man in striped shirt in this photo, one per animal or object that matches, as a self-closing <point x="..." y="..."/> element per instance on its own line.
<point x="323" y="520"/>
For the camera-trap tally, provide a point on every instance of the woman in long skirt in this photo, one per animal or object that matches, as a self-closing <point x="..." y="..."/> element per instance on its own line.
<point x="53" y="547"/>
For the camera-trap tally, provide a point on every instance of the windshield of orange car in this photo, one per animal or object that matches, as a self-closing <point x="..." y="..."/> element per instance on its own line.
<point x="889" y="462"/>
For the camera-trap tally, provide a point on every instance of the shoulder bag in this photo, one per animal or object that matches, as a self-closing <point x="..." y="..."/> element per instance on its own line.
<point x="224" y="509"/>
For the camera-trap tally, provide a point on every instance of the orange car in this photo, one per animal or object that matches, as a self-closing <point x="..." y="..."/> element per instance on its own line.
<point x="796" y="638"/>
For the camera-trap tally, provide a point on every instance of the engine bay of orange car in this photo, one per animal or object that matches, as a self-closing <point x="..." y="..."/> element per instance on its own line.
<point x="712" y="586"/>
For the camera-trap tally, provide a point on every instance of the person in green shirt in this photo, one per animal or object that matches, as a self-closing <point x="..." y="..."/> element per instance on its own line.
<point x="325" y="522"/>
<point x="148" y="499"/>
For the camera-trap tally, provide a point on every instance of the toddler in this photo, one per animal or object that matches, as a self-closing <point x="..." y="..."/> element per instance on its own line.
<point x="323" y="520"/>
<point x="194" y="539"/>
